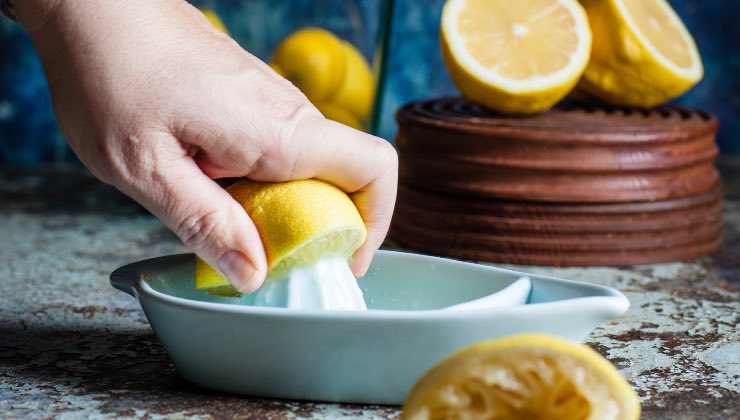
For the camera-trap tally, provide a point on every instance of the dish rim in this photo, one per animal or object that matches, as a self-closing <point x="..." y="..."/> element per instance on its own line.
<point x="131" y="280"/>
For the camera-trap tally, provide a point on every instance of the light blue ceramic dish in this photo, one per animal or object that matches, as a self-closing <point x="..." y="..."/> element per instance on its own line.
<point x="367" y="357"/>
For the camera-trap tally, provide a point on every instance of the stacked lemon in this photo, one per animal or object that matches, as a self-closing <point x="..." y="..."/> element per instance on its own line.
<point x="523" y="57"/>
<point x="331" y="72"/>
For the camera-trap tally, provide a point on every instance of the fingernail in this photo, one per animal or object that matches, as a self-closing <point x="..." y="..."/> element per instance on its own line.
<point x="237" y="268"/>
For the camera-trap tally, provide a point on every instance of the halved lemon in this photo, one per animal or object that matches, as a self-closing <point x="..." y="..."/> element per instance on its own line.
<point x="527" y="376"/>
<point x="515" y="57"/>
<point x="642" y="53"/>
<point x="299" y="222"/>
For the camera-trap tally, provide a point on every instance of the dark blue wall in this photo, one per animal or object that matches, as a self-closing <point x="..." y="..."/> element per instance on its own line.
<point x="28" y="133"/>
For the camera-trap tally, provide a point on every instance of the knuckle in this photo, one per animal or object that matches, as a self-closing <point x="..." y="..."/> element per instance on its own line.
<point x="386" y="154"/>
<point x="197" y="231"/>
<point x="282" y="100"/>
<point x="141" y="160"/>
<point x="301" y="120"/>
<point x="281" y="157"/>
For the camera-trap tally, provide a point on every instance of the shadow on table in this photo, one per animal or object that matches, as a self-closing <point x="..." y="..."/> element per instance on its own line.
<point x="93" y="359"/>
<point x="120" y="371"/>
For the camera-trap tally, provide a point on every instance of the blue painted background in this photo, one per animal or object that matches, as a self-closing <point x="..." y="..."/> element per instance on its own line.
<point x="29" y="135"/>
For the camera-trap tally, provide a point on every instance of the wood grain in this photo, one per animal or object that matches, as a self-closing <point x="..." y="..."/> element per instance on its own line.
<point x="574" y="186"/>
<point x="574" y="154"/>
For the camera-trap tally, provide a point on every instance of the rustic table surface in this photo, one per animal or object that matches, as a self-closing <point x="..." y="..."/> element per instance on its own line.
<point x="70" y="345"/>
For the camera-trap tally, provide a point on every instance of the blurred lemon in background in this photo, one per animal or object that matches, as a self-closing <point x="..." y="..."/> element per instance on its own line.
<point x="277" y="69"/>
<point x="515" y="57"/>
<point x="299" y="222"/>
<point x="642" y="53"/>
<point x="356" y="90"/>
<point x="214" y="19"/>
<point x="313" y="60"/>
<point x="527" y="376"/>
<point x="340" y="115"/>
<point x="331" y="72"/>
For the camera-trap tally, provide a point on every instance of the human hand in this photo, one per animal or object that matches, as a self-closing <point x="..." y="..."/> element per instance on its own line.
<point x="158" y="103"/>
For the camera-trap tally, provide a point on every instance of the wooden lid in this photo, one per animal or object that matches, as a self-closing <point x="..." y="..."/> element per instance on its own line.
<point x="569" y="154"/>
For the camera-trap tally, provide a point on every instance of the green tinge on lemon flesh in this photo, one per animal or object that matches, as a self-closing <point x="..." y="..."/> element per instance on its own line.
<point x="340" y="243"/>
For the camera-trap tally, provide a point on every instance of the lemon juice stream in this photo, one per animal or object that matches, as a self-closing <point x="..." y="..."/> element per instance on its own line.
<point x="327" y="284"/>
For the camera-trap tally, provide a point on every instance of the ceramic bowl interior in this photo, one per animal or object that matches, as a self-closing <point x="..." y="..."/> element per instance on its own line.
<point x="396" y="282"/>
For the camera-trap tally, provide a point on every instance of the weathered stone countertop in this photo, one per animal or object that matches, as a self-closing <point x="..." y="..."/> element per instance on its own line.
<point x="72" y="346"/>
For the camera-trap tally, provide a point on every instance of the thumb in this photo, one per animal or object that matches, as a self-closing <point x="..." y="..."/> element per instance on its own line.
<point x="208" y="220"/>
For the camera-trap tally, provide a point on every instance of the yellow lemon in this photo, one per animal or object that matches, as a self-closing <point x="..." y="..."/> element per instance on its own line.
<point x="356" y="91"/>
<point x="277" y="69"/>
<point x="642" y="53"/>
<point x="299" y="222"/>
<point x="340" y="115"/>
<point x="313" y="60"/>
<point x="214" y="19"/>
<point x="523" y="377"/>
<point x="331" y="72"/>
<point x="515" y="57"/>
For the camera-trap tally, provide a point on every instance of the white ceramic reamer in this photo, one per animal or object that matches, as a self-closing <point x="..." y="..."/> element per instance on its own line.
<point x="353" y="356"/>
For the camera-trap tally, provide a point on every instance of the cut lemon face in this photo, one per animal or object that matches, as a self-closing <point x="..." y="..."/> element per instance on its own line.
<point x="515" y="57"/>
<point x="299" y="222"/>
<point x="642" y="53"/>
<point x="523" y="377"/>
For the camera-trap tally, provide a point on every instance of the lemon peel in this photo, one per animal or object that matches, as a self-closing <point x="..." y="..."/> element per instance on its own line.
<point x="524" y="376"/>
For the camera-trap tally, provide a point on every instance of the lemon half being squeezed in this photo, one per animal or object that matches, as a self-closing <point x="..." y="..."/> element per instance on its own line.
<point x="299" y="222"/>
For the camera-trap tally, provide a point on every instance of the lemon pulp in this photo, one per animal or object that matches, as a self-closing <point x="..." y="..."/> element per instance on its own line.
<point x="642" y="54"/>
<point x="515" y="57"/>
<point x="528" y="376"/>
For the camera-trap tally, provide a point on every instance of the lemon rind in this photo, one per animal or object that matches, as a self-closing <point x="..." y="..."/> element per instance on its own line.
<point x="692" y="74"/>
<point x="415" y="408"/>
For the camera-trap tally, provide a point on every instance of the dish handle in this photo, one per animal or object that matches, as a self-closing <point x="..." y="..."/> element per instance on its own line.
<point x="127" y="277"/>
